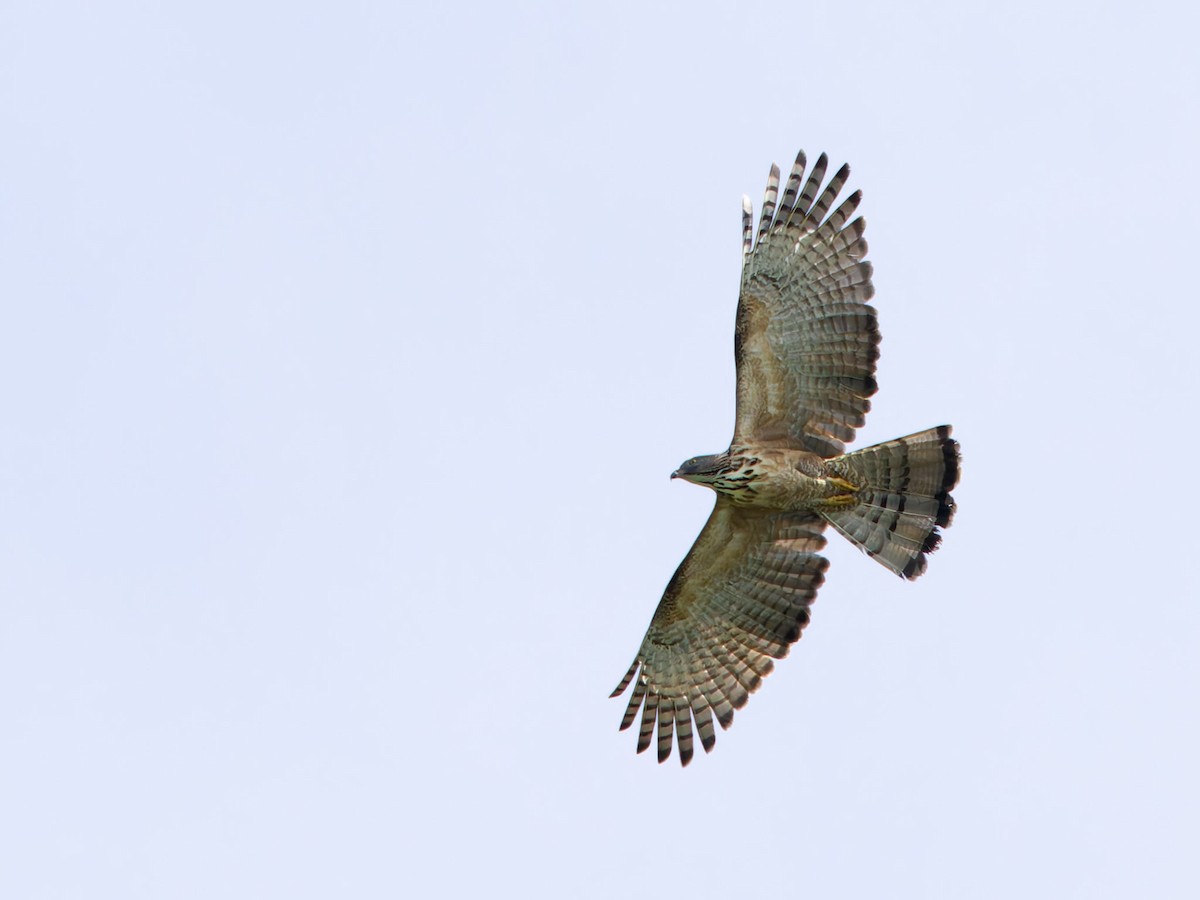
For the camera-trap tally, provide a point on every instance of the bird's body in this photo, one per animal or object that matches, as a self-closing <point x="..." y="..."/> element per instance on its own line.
<point x="805" y="344"/>
<point x="777" y="478"/>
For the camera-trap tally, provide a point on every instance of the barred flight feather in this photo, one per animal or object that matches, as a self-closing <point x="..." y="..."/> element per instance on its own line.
<point x="747" y="226"/>
<point x="792" y="191"/>
<point x="683" y="731"/>
<point x="804" y="204"/>
<point x="704" y="724"/>
<point x="768" y="208"/>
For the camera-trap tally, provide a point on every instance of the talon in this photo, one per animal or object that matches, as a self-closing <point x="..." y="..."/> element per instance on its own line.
<point x="844" y="485"/>
<point x="844" y="492"/>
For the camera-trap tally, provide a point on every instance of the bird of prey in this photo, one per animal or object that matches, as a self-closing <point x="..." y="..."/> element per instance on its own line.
<point x="805" y="344"/>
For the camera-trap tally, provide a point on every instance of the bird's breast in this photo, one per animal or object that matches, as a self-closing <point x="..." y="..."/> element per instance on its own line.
<point x="784" y="483"/>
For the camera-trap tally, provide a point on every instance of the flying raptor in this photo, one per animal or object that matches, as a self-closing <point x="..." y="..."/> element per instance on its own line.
<point x="805" y="344"/>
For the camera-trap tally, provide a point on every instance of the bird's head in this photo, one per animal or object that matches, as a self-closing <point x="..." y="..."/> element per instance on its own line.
<point x="704" y="469"/>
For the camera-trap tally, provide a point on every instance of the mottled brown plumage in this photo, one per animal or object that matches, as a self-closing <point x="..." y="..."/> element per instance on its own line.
<point x="805" y="343"/>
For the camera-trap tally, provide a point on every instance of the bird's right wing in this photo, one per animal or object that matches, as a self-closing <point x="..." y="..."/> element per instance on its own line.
<point x="738" y="601"/>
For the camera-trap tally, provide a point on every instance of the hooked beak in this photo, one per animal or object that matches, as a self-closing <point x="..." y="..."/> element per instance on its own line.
<point x="676" y="474"/>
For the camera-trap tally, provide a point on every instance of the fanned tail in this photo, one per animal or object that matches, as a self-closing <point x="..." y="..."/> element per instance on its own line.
<point x="903" y="498"/>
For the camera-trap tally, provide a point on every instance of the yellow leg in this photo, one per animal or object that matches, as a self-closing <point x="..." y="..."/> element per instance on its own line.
<point x="844" y="485"/>
<point x="845" y="498"/>
<point x="838" y="500"/>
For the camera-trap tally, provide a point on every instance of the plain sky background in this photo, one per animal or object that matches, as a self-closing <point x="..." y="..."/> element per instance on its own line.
<point x="345" y="352"/>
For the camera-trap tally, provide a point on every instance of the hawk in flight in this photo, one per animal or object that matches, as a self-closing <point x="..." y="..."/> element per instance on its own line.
<point x="805" y="344"/>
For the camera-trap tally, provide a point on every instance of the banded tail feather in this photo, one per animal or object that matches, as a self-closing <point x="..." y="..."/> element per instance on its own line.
<point x="904" y="498"/>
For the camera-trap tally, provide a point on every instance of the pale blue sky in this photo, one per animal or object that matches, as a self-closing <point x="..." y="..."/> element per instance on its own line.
<point x="345" y="352"/>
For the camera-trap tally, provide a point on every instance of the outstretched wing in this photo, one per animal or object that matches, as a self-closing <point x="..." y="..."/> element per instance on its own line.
<point x="738" y="601"/>
<point x="806" y="340"/>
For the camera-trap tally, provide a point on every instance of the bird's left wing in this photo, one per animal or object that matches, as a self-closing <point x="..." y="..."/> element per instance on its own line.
<point x="806" y="340"/>
<point x="738" y="601"/>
